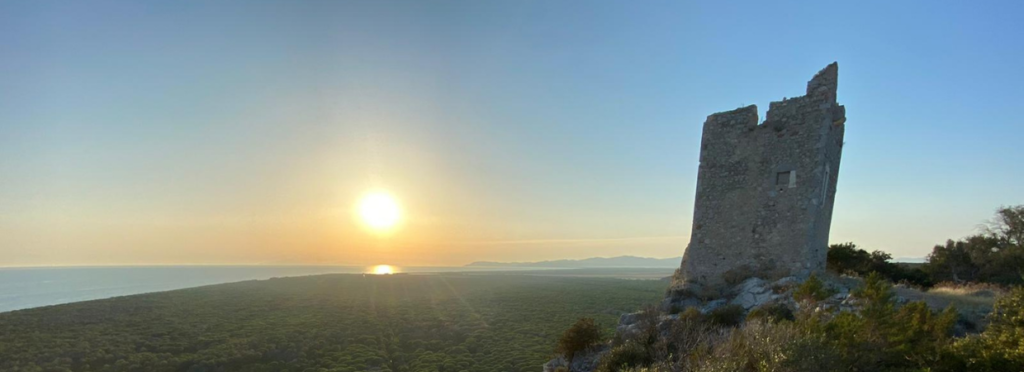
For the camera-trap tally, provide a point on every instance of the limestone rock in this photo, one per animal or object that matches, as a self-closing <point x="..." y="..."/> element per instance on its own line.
<point x="628" y="330"/>
<point x="586" y="361"/>
<point x="786" y="282"/>
<point x="629" y="318"/>
<point x="751" y="293"/>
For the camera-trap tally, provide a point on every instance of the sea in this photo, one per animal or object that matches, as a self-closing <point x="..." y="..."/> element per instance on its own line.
<point x="24" y="288"/>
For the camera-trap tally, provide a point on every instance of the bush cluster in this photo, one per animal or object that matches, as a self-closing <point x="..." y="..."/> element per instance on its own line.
<point x="846" y="258"/>
<point x="1001" y="346"/>
<point x="881" y="335"/>
<point x="996" y="255"/>
<point x="812" y="290"/>
<point x="583" y="335"/>
<point x="771" y="313"/>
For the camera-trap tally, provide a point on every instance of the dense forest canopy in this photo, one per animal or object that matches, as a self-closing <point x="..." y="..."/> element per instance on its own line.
<point x="445" y="322"/>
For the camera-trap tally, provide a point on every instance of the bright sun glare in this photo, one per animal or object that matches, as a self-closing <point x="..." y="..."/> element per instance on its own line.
<point x="383" y="270"/>
<point x="379" y="211"/>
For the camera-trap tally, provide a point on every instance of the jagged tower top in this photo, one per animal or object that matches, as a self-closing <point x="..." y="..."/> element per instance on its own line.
<point x="825" y="82"/>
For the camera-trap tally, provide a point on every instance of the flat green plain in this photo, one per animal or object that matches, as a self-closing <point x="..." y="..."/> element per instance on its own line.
<point x="343" y="322"/>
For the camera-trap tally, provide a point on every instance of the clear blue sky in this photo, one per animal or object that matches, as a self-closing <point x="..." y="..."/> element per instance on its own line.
<point x="243" y="132"/>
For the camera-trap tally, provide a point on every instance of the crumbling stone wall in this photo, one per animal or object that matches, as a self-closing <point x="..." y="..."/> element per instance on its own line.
<point x="765" y="191"/>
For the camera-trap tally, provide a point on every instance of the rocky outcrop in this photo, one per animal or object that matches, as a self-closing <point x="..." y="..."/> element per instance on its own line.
<point x="753" y="292"/>
<point x="587" y="361"/>
<point x="749" y="294"/>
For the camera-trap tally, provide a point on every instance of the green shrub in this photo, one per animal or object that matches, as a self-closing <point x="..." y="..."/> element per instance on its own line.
<point x="995" y="256"/>
<point x="876" y="297"/>
<point x="812" y="290"/>
<point x="882" y="337"/>
<point x="691" y="338"/>
<point x="846" y="258"/>
<point x="626" y="356"/>
<point x="639" y="347"/>
<point x="772" y="313"/>
<point x="1001" y="346"/>
<point x="813" y="352"/>
<point x="583" y="335"/>
<point x="1006" y="323"/>
<point x="654" y="368"/>
<point x="692" y="314"/>
<point x="726" y="316"/>
<point x="753" y="347"/>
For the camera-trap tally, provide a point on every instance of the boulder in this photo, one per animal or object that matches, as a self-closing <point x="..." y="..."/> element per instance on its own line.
<point x="628" y="331"/>
<point x="786" y="282"/>
<point x="751" y="293"/>
<point x="554" y="364"/>
<point x="582" y="362"/>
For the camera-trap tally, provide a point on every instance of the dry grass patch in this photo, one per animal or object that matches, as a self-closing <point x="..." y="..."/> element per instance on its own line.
<point x="983" y="290"/>
<point x="973" y="301"/>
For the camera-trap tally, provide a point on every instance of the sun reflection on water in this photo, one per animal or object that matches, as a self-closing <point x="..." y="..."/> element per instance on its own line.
<point x="383" y="270"/>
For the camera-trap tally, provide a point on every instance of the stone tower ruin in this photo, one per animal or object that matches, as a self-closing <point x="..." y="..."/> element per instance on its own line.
<point x="765" y="191"/>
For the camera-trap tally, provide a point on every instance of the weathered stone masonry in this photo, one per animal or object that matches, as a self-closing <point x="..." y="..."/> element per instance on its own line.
<point x="765" y="192"/>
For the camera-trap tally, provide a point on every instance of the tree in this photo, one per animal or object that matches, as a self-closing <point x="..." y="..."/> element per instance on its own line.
<point x="583" y="335"/>
<point x="1008" y="226"/>
<point x="952" y="262"/>
<point x="846" y="258"/>
<point x="1006" y="231"/>
<point x="995" y="256"/>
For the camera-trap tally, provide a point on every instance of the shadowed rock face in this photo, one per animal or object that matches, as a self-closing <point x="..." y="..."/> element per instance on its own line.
<point x="765" y="191"/>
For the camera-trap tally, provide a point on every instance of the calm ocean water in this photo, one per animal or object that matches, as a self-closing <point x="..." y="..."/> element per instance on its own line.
<point x="22" y="288"/>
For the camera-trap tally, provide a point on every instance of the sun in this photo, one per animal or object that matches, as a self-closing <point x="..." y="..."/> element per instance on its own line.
<point x="383" y="270"/>
<point x="379" y="211"/>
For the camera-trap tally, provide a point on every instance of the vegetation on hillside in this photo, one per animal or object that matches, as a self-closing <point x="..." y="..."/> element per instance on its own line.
<point x="583" y="335"/>
<point x="451" y="322"/>
<point x="882" y="335"/>
<point x="995" y="255"/>
<point x="884" y="332"/>
<point x="846" y="258"/>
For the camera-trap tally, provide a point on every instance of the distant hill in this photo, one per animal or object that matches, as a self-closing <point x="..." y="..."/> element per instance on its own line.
<point x="621" y="261"/>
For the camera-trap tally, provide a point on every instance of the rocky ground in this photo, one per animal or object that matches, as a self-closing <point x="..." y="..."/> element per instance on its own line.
<point x="749" y="294"/>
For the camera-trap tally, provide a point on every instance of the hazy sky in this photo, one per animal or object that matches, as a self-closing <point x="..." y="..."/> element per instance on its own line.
<point x="245" y="132"/>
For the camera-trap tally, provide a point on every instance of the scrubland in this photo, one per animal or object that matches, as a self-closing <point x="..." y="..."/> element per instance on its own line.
<point x="443" y="322"/>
